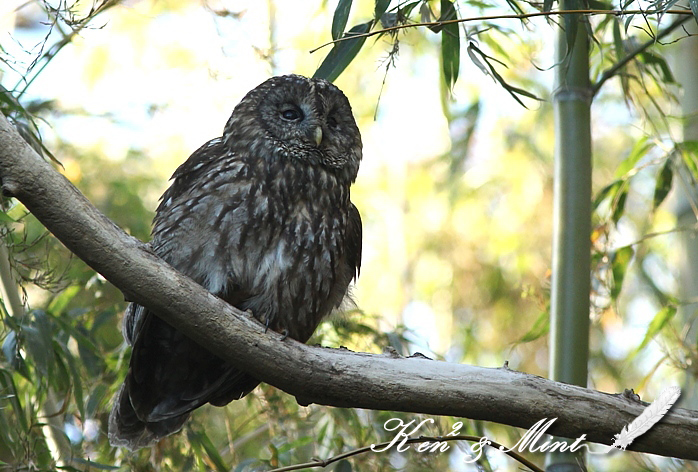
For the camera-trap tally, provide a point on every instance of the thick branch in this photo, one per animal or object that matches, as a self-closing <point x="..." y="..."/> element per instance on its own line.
<point x="335" y="377"/>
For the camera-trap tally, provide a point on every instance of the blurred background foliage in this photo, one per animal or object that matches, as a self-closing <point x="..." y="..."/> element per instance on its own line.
<point x="455" y="192"/>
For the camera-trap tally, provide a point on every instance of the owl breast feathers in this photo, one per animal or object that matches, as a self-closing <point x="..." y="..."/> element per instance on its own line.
<point x="261" y="217"/>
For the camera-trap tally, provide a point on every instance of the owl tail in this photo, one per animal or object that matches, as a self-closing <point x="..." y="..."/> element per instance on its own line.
<point x="127" y="430"/>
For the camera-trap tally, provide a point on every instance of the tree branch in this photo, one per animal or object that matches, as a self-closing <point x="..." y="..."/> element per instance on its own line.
<point x="335" y="377"/>
<point x="613" y="70"/>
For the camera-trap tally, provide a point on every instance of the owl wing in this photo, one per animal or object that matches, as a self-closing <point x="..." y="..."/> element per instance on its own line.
<point x="169" y="374"/>
<point x="353" y="243"/>
<point x="193" y="170"/>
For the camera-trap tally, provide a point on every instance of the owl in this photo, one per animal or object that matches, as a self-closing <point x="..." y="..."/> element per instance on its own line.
<point x="262" y="218"/>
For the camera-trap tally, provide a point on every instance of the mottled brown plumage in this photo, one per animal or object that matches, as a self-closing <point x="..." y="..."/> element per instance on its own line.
<point x="261" y="217"/>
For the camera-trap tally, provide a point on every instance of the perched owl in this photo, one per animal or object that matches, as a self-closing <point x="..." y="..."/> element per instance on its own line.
<point x="261" y="217"/>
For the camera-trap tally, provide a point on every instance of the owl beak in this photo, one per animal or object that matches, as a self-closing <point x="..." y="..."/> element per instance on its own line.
<point x="318" y="135"/>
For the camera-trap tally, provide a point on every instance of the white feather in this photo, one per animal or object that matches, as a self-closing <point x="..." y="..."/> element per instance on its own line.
<point x="652" y="414"/>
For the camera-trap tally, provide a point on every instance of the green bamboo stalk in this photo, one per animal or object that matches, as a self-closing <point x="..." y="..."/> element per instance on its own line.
<point x="686" y="68"/>
<point x="569" y="323"/>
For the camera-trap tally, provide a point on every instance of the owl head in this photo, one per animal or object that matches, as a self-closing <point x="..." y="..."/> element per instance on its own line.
<point x="295" y="117"/>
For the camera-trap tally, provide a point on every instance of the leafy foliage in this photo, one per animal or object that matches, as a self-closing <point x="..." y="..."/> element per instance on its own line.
<point x="469" y="238"/>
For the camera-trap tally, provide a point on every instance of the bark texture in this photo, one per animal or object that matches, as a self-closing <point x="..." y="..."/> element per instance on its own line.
<point x="335" y="377"/>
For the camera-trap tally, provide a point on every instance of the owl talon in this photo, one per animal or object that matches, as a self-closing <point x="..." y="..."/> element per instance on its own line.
<point x="284" y="335"/>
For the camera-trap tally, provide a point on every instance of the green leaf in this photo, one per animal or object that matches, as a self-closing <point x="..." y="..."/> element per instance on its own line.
<point x="659" y="62"/>
<point x="618" y="40"/>
<point x="58" y="304"/>
<point x="617" y="193"/>
<point x="620" y="260"/>
<point x="689" y="155"/>
<point x="380" y="8"/>
<point x="450" y="44"/>
<point x="640" y="150"/>
<point x="540" y="328"/>
<point x="665" y="6"/>
<point x="200" y="442"/>
<point x="609" y="191"/>
<point x="516" y="8"/>
<point x="480" y="59"/>
<point x="341" y="15"/>
<point x="406" y="10"/>
<point x="660" y="320"/>
<point x="619" y="203"/>
<point x="8" y="385"/>
<point x="663" y="184"/>
<point x="5" y="218"/>
<point x="343" y="53"/>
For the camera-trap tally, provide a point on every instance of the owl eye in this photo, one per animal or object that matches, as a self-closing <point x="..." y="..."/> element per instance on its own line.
<point x="291" y="114"/>
<point x="332" y="122"/>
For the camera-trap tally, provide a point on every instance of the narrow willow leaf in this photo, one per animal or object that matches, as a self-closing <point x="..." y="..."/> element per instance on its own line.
<point x="9" y="349"/>
<point x="448" y="12"/>
<point x="616" y="193"/>
<point x="78" y="393"/>
<point x="380" y="8"/>
<point x="472" y="53"/>
<point x="425" y="13"/>
<point x="213" y="453"/>
<point x="9" y="389"/>
<point x="640" y="150"/>
<point x="540" y="328"/>
<point x="202" y="446"/>
<point x="515" y="7"/>
<point x="59" y="304"/>
<point x="663" y="184"/>
<point x="660" y="320"/>
<point x="479" y="58"/>
<point x="342" y="53"/>
<point x="406" y="10"/>
<point x="618" y="40"/>
<point x="609" y="191"/>
<point x="5" y="218"/>
<point x="659" y="62"/>
<point x="341" y="15"/>
<point x="450" y="44"/>
<point x="664" y="7"/>
<point x="689" y="155"/>
<point x="620" y="260"/>
<point x="619" y="203"/>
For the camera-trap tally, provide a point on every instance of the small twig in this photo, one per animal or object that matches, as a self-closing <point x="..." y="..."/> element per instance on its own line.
<point x="326" y="462"/>
<point x="504" y="17"/>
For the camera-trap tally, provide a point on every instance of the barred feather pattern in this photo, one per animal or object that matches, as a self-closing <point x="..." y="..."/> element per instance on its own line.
<point x="261" y="217"/>
<point x="652" y="414"/>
